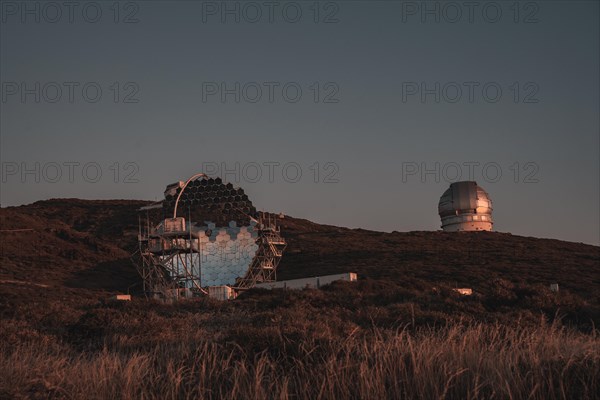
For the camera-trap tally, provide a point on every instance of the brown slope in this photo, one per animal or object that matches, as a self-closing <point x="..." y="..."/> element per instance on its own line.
<point x="466" y="259"/>
<point x="86" y="244"/>
<point x="73" y="243"/>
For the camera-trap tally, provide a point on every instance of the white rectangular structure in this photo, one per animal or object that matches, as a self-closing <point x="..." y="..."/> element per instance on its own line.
<point x="175" y="225"/>
<point x="120" y="297"/>
<point x="464" y="291"/>
<point x="221" y="292"/>
<point x="313" y="282"/>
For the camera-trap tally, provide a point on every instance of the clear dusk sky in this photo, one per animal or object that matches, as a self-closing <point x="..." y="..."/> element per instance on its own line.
<point x="352" y="113"/>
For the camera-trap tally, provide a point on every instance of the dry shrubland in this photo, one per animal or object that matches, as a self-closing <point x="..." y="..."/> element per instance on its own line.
<point x="361" y="341"/>
<point x="471" y="362"/>
<point x="400" y="332"/>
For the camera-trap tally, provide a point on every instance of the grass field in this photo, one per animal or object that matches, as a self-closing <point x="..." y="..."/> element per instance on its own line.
<point x="478" y="361"/>
<point x="307" y="344"/>
<point x="400" y="332"/>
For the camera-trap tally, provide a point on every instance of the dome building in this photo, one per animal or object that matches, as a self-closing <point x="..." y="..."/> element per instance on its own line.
<point x="465" y="206"/>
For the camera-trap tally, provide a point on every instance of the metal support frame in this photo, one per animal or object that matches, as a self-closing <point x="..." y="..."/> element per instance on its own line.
<point x="271" y="245"/>
<point x="173" y="267"/>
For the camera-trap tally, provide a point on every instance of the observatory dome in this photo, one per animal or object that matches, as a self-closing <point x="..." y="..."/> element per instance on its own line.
<point x="465" y="206"/>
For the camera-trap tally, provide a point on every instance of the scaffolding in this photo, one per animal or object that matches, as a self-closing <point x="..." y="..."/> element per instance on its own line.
<point x="270" y="250"/>
<point x="172" y="250"/>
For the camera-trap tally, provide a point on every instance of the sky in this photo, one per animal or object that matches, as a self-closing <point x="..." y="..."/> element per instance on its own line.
<point x="351" y="113"/>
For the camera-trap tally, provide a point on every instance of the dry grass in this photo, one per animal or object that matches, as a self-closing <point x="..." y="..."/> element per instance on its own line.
<point x="478" y="361"/>
<point x="389" y="335"/>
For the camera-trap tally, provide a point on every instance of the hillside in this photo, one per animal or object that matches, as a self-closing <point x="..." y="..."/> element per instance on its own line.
<point x="86" y="245"/>
<point x="400" y="323"/>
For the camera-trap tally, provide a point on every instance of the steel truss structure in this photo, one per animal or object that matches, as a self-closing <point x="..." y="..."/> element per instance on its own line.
<point x="270" y="250"/>
<point x="172" y="252"/>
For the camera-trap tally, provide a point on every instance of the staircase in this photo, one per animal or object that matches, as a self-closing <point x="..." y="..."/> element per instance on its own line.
<point x="270" y="250"/>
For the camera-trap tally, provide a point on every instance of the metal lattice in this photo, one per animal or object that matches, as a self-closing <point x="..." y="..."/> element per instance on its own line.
<point x="205" y="233"/>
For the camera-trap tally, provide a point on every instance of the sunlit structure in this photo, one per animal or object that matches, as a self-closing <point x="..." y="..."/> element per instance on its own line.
<point x="205" y="233"/>
<point x="465" y="206"/>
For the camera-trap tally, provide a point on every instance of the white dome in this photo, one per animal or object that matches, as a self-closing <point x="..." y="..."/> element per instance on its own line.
<point x="465" y="206"/>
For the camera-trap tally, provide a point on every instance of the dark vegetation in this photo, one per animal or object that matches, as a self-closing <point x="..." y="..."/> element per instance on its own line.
<point x="399" y="332"/>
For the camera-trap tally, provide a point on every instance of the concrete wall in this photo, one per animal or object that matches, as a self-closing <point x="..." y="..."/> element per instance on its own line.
<point x="313" y="282"/>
